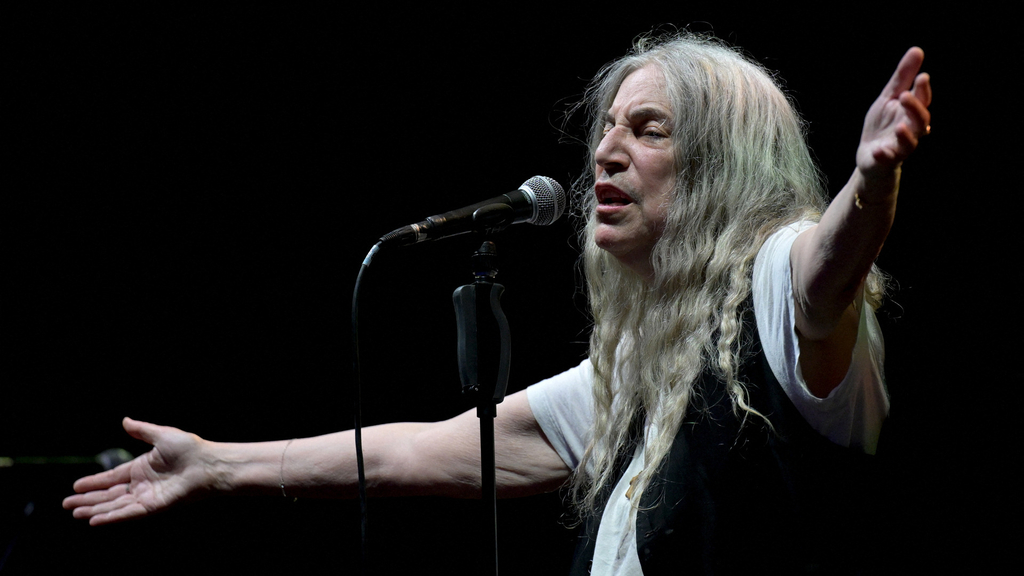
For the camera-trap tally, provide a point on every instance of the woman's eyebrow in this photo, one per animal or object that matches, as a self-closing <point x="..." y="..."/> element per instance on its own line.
<point x="641" y="113"/>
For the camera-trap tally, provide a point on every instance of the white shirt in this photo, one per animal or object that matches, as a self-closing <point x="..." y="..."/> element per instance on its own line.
<point x="851" y="415"/>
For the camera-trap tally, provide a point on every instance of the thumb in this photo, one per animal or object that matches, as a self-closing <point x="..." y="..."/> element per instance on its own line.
<point x="148" y="433"/>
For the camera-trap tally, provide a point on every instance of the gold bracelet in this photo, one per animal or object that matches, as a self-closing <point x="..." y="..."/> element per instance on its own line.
<point x="282" y="467"/>
<point x="860" y="204"/>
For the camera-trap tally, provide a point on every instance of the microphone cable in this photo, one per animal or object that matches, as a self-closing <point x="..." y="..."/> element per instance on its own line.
<point x="360" y="467"/>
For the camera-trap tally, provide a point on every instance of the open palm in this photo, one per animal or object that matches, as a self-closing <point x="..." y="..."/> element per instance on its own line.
<point x="171" y="472"/>
<point x="897" y="119"/>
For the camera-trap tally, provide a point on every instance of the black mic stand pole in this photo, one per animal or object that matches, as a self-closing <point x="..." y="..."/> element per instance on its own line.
<point x="484" y="350"/>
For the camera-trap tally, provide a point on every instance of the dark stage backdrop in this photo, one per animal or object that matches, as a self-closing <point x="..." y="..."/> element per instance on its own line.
<point x="188" y="193"/>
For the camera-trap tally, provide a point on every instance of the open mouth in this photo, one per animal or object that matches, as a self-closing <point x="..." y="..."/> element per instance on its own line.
<point x="608" y="195"/>
<point x="614" y="201"/>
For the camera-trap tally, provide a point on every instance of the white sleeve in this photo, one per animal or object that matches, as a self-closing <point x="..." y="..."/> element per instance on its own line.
<point x="564" y="408"/>
<point x="852" y="414"/>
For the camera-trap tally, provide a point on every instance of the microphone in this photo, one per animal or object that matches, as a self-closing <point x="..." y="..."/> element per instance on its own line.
<point x="540" y="200"/>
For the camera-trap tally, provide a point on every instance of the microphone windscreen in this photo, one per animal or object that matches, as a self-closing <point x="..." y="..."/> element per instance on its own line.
<point x="548" y="199"/>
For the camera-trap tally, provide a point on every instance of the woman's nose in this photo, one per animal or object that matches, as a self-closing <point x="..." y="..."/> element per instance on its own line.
<point x="611" y="154"/>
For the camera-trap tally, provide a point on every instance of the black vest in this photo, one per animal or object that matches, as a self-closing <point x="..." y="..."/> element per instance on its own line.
<point x="733" y="499"/>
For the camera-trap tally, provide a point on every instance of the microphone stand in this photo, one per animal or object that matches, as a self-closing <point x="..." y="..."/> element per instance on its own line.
<point x="484" y="349"/>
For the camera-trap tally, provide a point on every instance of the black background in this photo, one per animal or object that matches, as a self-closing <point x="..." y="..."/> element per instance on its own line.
<point x="188" y="193"/>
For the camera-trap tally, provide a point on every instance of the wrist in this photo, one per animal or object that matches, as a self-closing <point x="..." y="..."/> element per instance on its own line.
<point x="256" y="468"/>
<point x="220" y="467"/>
<point x="875" y="189"/>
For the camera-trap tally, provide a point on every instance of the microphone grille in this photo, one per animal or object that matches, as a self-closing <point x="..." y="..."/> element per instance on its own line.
<point x="549" y="199"/>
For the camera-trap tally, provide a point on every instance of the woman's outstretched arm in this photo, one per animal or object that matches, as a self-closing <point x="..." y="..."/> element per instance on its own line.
<point x="409" y="458"/>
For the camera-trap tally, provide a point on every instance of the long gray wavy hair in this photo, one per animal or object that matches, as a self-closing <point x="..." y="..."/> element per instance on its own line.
<point x="743" y="171"/>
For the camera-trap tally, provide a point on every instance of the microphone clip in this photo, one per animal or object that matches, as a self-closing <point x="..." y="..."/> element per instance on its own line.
<point x="491" y="219"/>
<point x="484" y="341"/>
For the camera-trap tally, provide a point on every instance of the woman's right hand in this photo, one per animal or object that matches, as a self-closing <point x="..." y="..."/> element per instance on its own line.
<point x="172" y="472"/>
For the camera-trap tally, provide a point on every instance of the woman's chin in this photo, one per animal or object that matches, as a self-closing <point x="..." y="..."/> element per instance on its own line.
<point x="609" y="238"/>
<point x="630" y="253"/>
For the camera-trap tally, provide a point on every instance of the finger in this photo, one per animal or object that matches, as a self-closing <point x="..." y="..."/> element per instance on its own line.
<point x="134" y="510"/>
<point x="907" y="139"/>
<point x="918" y="116"/>
<point x="122" y="508"/>
<point x="885" y="155"/>
<point x="923" y="89"/>
<point x="96" y="497"/>
<point x="122" y="500"/>
<point x="903" y="78"/>
<point x="119" y="475"/>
